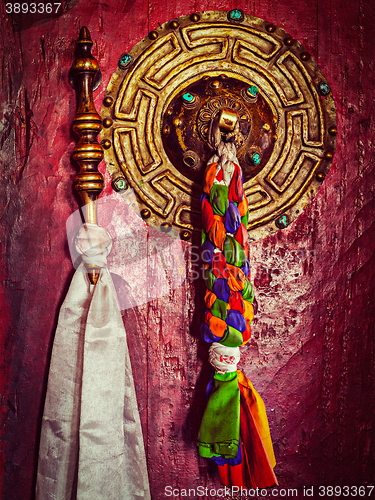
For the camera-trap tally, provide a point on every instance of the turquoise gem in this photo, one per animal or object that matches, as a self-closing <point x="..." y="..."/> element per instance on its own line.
<point x="120" y="184"/>
<point x="188" y="97"/>
<point x="235" y="14"/>
<point x="324" y="88"/>
<point x="252" y="91"/>
<point x="256" y="158"/>
<point x="283" y="221"/>
<point x="124" y="60"/>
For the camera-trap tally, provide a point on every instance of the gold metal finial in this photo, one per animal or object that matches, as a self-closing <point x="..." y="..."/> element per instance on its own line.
<point x="88" y="153"/>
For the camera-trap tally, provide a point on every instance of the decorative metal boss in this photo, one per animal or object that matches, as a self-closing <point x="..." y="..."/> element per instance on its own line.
<point x="161" y="99"/>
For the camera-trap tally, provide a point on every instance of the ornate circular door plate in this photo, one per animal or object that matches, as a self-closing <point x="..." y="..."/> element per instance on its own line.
<point x="165" y="91"/>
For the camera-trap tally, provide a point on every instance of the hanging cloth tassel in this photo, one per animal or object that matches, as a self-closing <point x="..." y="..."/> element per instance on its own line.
<point x="234" y="430"/>
<point x="91" y="443"/>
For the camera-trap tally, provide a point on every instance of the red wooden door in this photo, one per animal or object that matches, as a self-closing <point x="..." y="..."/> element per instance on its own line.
<point x="311" y="353"/>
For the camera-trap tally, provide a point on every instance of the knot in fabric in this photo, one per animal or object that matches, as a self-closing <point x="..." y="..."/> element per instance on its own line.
<point x="225" y="157"/>
<point x="223" y="358"/>
<point x="94" y="243"/>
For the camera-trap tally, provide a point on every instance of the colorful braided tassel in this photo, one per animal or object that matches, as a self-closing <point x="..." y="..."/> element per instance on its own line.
<point x="234" y="431"/>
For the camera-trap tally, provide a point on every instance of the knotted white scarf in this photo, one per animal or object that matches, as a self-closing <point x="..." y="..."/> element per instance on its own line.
<point x="91" y="445"/>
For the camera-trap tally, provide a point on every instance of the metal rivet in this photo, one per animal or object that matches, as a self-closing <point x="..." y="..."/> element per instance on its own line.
<point x="185" y="235"/>
<point x="332" y="130"/>
<point x="107" y="101"/>
<point x="275" y="137"/>
<point x="124" y="60"/>
<point x="328" y="155"/>
<point x="106" y="143"/>
<point x="169" y="112"/>
<point x="195" y="18"/>
<point x="235" y="15"/>
<point x="282" y="221"/>
<point x="267" y="127"/>
<point x="153" y="35"/>
<point x="288" y="41"/>
<point x="191" y="159"/>
<point x="166" y="129"/>
<point x="270" y="28"/>
<point x="177" y="122"/>
<point x="216" y="84"/>
<point x="107" y="122"/>
<point x="145" y="213"/>
<point x="120" y="184"/>
<point x="165" y="227"/>
<point x="174" y="25"/>
<point x="320" y="176"/>
<point x="305" y="56"/>
<point x="324" y="88"/>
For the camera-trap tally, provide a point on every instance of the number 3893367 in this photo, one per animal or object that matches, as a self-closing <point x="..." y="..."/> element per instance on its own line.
<point x="32" y="8"/>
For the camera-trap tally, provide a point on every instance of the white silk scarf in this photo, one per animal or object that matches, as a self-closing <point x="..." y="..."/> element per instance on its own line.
<point x="91" y="445"/>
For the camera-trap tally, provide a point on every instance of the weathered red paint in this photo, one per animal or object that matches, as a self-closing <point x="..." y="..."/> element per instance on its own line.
<point x="311" y="353"/>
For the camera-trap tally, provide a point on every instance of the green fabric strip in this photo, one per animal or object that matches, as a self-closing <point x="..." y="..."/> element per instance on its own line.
<point x="248" y="292"/>
<point x="220" y="427"/>
<point x="219" y="199"/>
<point x="209" y="278"/>
<point x="219" y="309"/>
<point x="232" y="337"/>
<point x="245" y="219"/>
<point x="233" y="252"/>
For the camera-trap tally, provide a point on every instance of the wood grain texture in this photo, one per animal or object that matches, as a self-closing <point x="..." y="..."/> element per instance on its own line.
<point x="311" y="356"/>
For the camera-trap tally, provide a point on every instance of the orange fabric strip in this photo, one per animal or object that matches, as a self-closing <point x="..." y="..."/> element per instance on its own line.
<point x="256" y="407"/>
<point x="209" y="176"/>
<point x="236" y="278"/>
<point x="243" y="206"/>
<point x="217" y="326"/>
<point x="209" y="299"/>
<point x="217" y="232"/>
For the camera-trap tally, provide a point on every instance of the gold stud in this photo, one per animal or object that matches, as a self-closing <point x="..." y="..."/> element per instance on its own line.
<point x="107" y="101"/>
<point x="106" y="143"/>
<point x="185" y="235"/>
<point x="153" y="35"/>
<point x="320" y="176"/>
<point x="107" y="122"/>
<point x="145" y="213"/>
<point x="332" y="130"/>
<point x="195" y="18"/>
<point x="174" y="25"/>
<point x="328" y="155"/>
<point x="177" y="122"/>
<point x="165" y="227"/>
